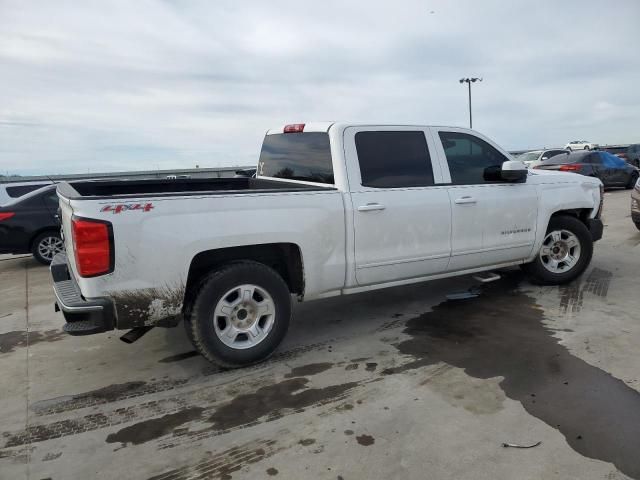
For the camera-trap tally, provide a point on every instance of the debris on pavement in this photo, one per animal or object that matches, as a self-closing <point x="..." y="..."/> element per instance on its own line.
<point x="515" y="445"/>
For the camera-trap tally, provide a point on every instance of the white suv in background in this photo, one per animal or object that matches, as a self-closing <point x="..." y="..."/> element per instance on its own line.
<point x="534" y="157"/>
<point x="581" y="145"/>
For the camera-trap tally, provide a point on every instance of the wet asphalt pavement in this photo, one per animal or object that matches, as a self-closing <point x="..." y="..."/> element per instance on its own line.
<point x="399" y="383"/>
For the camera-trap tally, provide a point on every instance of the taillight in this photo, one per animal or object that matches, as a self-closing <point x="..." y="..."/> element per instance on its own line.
<point x="601" y="201"/>
<point x="294" y="128"/>
<point x="93" y="246"/>
<point x="6" y="215"/>
<point x="574" y="167"/>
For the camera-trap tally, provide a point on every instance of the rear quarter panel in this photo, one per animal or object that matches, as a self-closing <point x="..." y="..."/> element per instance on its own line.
<point x="154" y="248"/>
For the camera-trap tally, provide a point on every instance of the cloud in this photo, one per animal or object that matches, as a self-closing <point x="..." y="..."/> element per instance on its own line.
<point x="161" y="84"/>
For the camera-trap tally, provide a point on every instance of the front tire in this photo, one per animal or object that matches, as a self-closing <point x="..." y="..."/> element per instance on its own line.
<point x="637" y="224"/>
<point x="632" y="181"/>
<point x="46" y="246"/>
<point x="565" y="253"/>
<point x="240" y="314"/>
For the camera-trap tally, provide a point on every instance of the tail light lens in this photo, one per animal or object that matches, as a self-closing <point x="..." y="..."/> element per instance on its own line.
<point x="93" y="246"/>
<point x="599" y="214"/>
<point x="6" y="215"/>
<point x="574" y="167"/>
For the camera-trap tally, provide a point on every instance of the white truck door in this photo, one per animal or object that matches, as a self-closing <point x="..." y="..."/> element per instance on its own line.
<point x="493" y="221"/>
<point x="401" y="218"/>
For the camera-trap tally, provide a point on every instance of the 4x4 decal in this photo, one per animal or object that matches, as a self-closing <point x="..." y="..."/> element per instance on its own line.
<point x="125" y="207"/>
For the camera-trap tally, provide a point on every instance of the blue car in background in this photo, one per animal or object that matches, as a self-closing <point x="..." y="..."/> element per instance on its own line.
<point x="611" y="170"/>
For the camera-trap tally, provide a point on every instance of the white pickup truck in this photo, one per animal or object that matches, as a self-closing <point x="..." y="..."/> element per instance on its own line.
<point x="334" y="209"/>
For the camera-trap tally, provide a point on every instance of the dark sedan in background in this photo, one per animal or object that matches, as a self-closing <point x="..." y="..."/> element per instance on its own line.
<point x="29" y="225"/>
<point x="611" y="170"/>
<point x="635" y="205"/>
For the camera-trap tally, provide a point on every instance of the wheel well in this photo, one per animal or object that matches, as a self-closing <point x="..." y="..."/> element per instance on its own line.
<point x="40" y="232"/>
<point x="284" y="258"/>
<point x="581" y="214"/>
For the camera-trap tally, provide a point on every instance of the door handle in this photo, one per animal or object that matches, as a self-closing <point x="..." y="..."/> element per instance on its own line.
<point x="464" y="200"/>
<point x="369" y="207"/>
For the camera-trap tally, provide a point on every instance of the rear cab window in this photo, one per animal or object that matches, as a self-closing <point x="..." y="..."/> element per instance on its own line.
<point x="394" y="159"/>
<point x="304" y="156"/>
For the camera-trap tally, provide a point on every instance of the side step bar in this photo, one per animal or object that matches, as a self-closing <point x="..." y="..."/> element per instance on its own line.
<point x="486" y="277"/>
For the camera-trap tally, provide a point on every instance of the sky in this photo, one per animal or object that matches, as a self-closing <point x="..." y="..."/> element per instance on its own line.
<point x="96" y="86"/>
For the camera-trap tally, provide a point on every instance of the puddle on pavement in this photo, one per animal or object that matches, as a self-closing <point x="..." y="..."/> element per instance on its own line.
<point x="501" y="334"/>
<point x="147" y="430"/>
<point x="310" y="369"/>
<point x="272" y="400"/>
<point x="17" y="339"/>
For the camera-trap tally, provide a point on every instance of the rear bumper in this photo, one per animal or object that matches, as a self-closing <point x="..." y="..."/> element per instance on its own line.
<point x="83" y="316"/>
<point x="595" y="227"/>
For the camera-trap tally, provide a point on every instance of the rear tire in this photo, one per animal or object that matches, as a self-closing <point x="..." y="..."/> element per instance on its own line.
<point x="188" y="329"/>
<point x="565" y="253"/>
<point x="46" y="246"/>
<point x="240" y="314"/>
<point x="586" y="147"/>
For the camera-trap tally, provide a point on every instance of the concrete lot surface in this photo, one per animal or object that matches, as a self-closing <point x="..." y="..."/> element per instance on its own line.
<point x="398" y="383"/>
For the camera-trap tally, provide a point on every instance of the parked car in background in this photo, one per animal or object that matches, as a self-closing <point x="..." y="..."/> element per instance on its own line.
<point x="535" y="156"/>
<point x="635" y="204"/>
<point x="581" y="145"/>
<point x="11" y="190"/>
<point x="245" y="172"/>
<point x="633" y="154"/>
<point x="29" y="225"/>
<point x="611" y="170"/>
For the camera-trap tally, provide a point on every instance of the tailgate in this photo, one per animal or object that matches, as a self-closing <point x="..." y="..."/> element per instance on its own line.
<point x="66" y="213"/>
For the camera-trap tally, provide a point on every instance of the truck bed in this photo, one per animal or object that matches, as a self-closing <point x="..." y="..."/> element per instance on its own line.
<point x="181" y="187"/>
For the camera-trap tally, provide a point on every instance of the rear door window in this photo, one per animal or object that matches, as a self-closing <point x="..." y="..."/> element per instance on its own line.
<point x="394" y="159"/>
<point x="595" y="159"/>
<point x="20" y="190"/>
<point x="616" y="162"/>
<point x="471" y="160"/>
<point x="297" y="156"/>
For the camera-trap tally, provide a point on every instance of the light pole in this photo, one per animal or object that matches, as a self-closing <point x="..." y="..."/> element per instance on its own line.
<point x="469" y="81"/>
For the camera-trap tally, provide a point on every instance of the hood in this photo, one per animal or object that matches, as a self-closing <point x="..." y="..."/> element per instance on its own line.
<point x="556" y="176"/>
